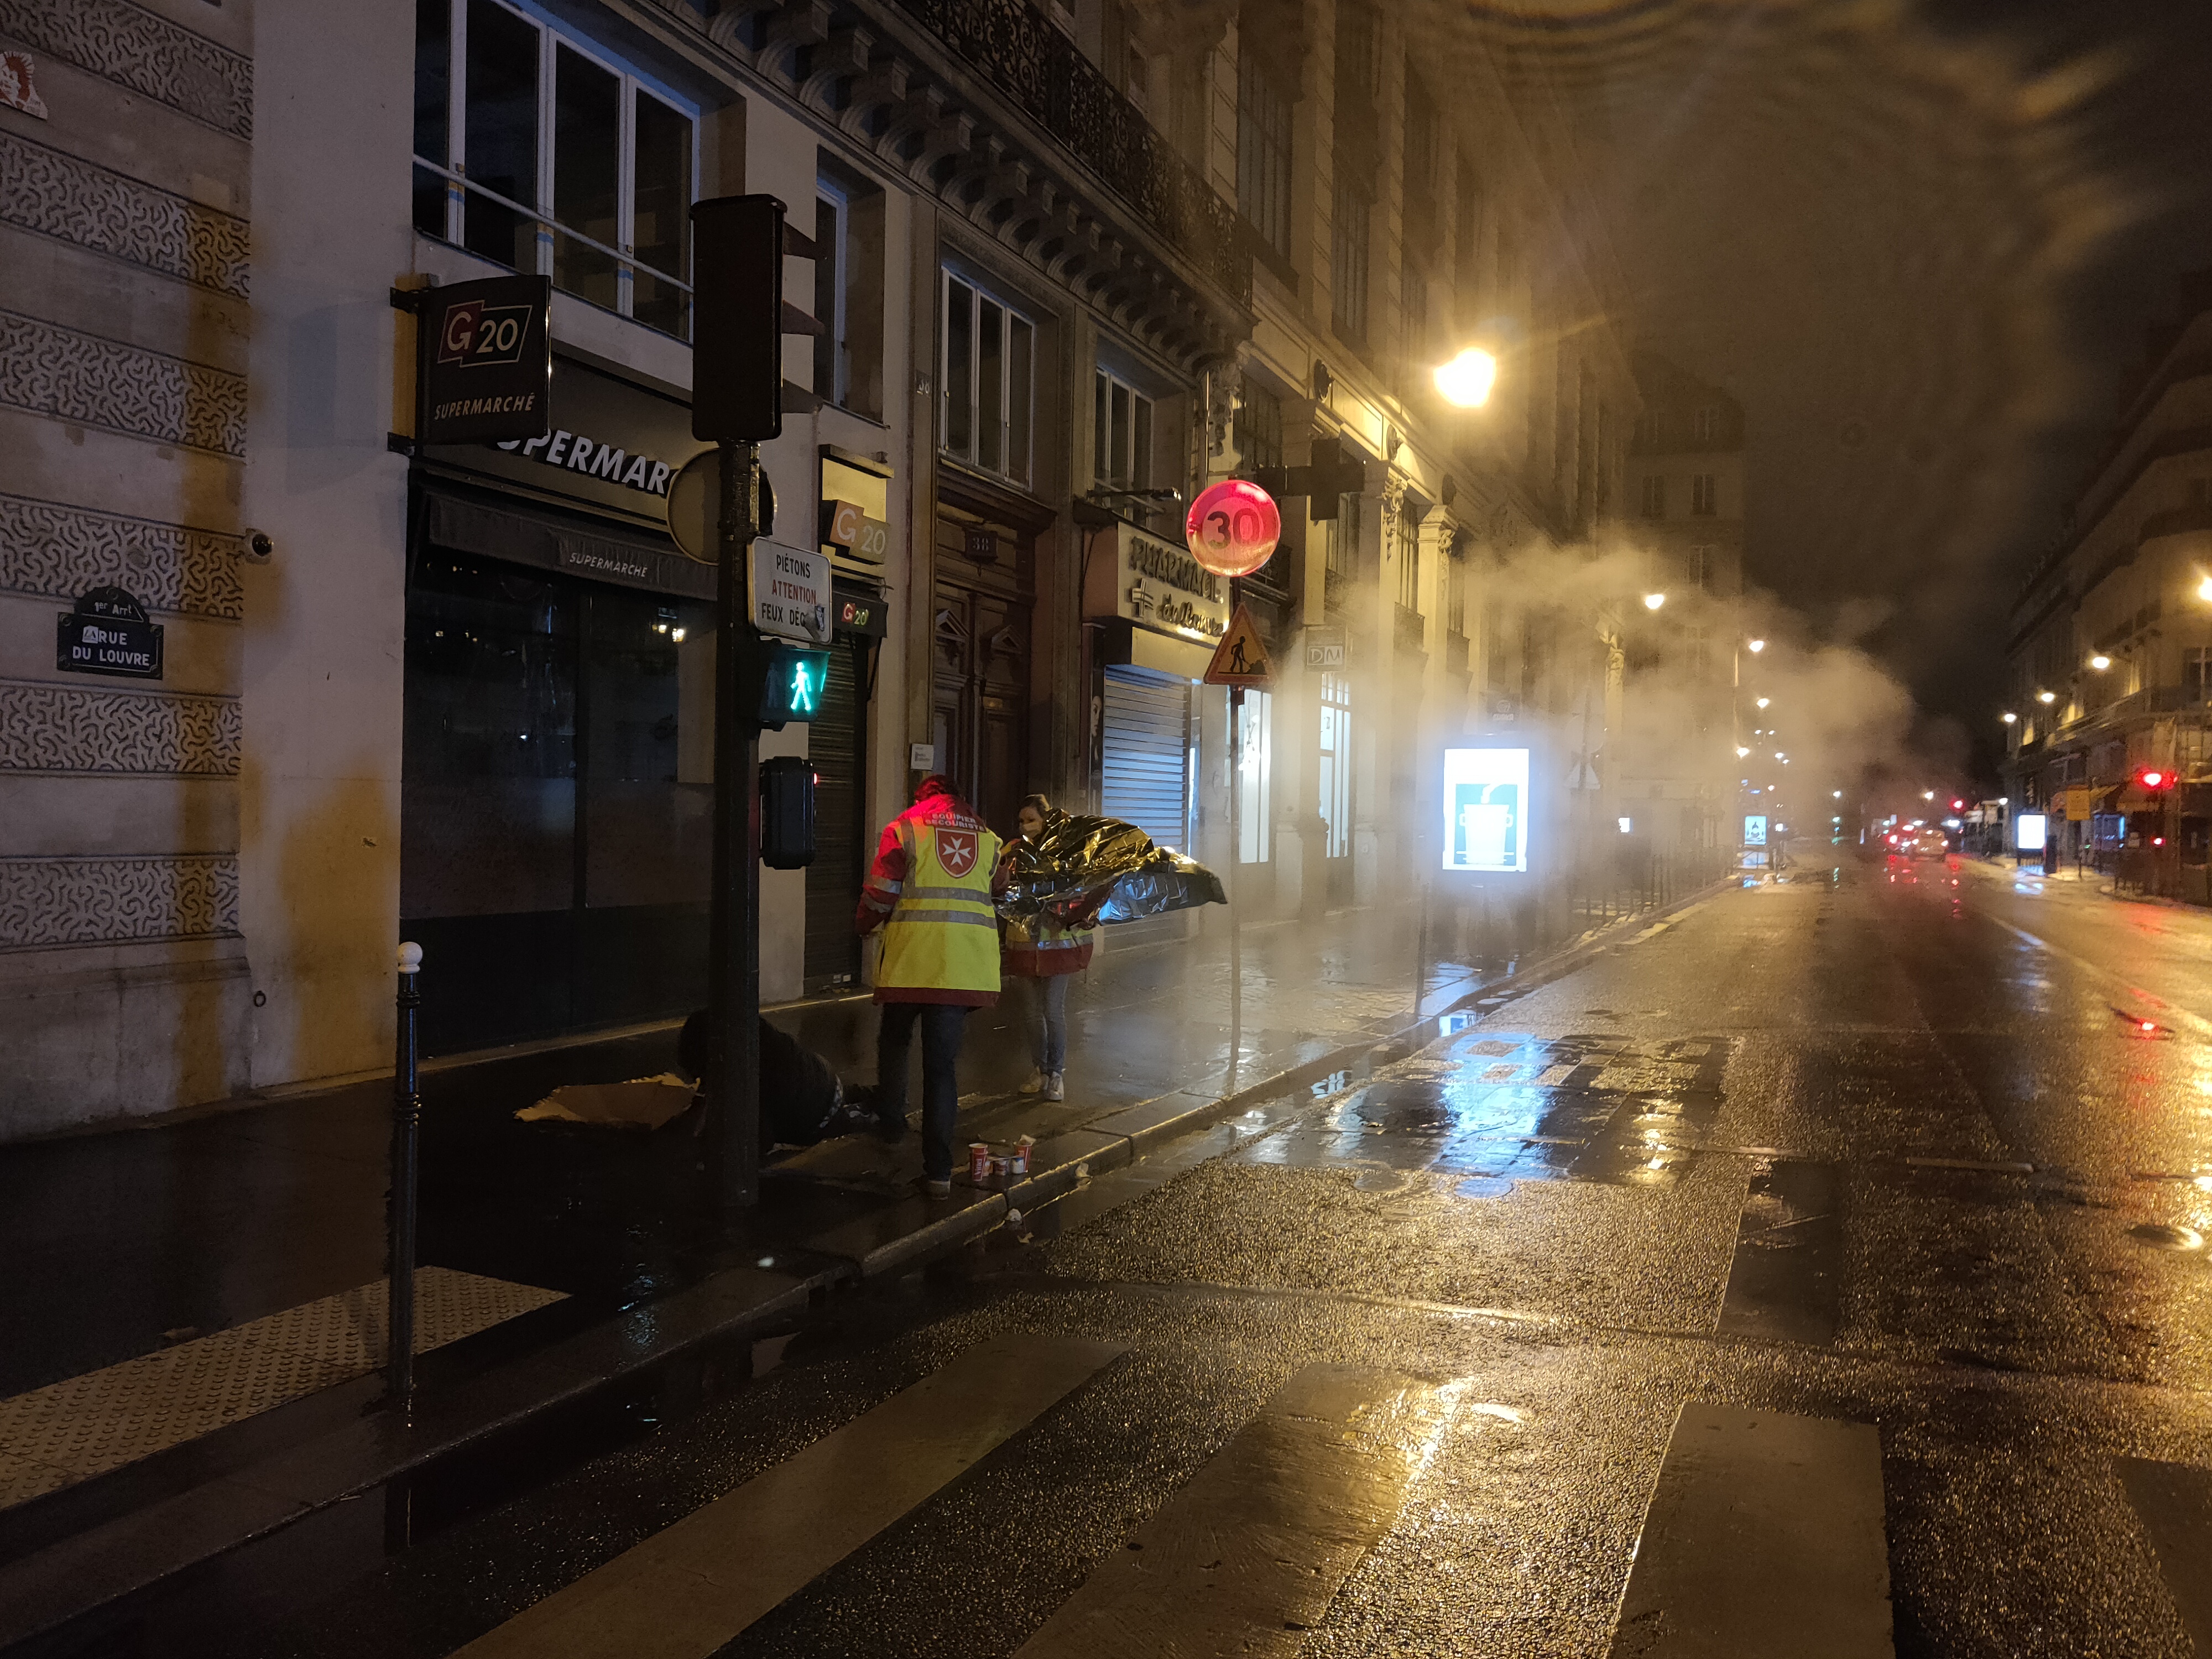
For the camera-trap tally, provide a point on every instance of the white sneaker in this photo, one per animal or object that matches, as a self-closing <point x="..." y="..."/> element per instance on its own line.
<point x="1055" y="1089"/>
<point x="1035" y="1084"/>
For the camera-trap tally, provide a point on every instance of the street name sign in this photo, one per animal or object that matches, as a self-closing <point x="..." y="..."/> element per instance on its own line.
<point x="107" y="633"/>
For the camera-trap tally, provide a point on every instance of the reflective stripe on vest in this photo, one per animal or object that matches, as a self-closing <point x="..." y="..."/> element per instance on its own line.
<point x="943" y="935"/>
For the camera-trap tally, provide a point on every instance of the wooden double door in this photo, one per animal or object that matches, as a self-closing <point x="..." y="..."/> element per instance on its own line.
<point x="981" y="609"/>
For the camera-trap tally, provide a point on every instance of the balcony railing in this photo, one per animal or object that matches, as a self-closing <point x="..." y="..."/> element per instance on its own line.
<point x="1044" y="74"/>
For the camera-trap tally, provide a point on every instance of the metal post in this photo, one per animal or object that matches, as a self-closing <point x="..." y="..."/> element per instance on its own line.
<point x="734" y="920"/>
<point x="1236" y="856"/>
<point x="399" y="1258"/>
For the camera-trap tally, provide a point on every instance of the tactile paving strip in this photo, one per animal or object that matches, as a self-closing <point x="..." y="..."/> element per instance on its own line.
<point x="85" y="1425"/>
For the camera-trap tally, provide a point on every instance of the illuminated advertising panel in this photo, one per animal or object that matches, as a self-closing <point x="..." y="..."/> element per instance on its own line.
<point x="2028" y="830"/>
<point x="1485" y="802"/>
<point x="1755" y="829"/>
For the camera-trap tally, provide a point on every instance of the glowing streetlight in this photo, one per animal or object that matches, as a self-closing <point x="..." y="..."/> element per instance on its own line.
<point x="2009" y="717"/>
<point x="2100" y="662"/>
<point x="2046" y="696"/>
<point x="1757" y="646"/>
<point x="1928" y="794"/>
<point x="1741" y="752"/>
<point x="2204" y="590"/>
<point x="1465" y="382"/>
<point x="1653" y="601"/>
<point x="1763" y="702"/>
<point x="1837" y="793"/>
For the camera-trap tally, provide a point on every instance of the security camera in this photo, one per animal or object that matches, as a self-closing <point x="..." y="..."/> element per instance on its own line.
<point x="260" y="547"/>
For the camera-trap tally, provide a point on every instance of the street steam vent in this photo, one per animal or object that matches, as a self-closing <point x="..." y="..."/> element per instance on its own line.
<point x="1040" y="828"/>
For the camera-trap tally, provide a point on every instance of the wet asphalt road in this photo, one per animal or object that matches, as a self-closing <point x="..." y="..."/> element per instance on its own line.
<point x="1889" y="1145"/>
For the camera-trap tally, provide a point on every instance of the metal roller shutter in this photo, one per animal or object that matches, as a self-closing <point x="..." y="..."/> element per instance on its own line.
<point x="1147" y="753"/>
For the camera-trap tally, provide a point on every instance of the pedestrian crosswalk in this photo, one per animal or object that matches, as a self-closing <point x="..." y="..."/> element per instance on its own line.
<point x="1765" y="1532"/>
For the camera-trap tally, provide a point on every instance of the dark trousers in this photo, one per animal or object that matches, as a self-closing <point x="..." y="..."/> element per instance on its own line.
<point x="941" y="1024"/>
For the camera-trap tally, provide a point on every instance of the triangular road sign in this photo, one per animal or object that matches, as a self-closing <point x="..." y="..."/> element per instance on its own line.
<point x="1241" y="658"/>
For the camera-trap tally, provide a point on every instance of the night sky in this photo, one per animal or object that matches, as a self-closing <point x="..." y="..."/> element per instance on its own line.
<point x="1920" y="242"/>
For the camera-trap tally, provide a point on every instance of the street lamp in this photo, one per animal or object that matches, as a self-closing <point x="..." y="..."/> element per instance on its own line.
<point x="1755" y="646"/>
<point x="2046" y="696"/>
<point x="1653" y="601"/>
<point x="2204" y="590"/>
<point x="2100" y="662"/>
<point x="1465" y="382"/>
<point x="1928" y="794"/>
<point x="2009" y="717"/>
<point x="1741" y="752"/>
<point x="1763" y="702"/>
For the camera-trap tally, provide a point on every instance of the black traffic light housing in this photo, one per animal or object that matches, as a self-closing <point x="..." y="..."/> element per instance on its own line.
<point x="786" y="800"/>
<point x="737" y="318"/>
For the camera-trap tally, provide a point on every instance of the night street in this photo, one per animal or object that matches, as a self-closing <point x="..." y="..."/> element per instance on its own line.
<point x="1105" y="829"/>
<point x="1871" y="1145"/>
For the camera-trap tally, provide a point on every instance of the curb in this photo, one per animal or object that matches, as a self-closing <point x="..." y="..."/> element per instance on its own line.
<point x="105" y="1568"/>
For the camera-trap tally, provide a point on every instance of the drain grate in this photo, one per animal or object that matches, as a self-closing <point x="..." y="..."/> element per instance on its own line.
<point x="83" y="1426"/>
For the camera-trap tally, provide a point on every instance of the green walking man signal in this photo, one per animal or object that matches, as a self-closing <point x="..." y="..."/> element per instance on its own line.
<point x="795" y="680"/>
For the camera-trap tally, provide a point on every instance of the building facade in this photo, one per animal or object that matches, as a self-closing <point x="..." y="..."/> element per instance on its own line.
<point x="1063" y="266"/>
<point x="1689" y="709"/>
<point x="2109" y="665"/>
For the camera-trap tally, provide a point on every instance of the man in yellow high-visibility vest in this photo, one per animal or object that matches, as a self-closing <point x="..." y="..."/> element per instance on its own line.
<point x="938" y="868"/>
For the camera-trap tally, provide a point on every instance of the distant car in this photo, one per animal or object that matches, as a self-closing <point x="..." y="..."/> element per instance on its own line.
<point x="1928" y="844"/>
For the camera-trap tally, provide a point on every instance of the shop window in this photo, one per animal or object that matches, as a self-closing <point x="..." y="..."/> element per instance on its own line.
<point x="1263" y="153"/>
<point x="1256" y="724"/>
<point x="1335" y="769"/>
<point x="1121" y="434"/>
<point x="989" y="361"/>
<point x="1705" y="496"/>
<point x="848" y="291"/>
<point x="534" y="150"/>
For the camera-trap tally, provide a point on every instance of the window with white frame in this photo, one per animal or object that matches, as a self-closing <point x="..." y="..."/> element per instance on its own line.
<point x="1455" y="589"/>
<point x="1706" y="424"/>
<point x="1335" y="768"/>
<point x="1255" y="763"/>
<point x="1409" y="561"/>
<point x="1263" y="152"/>
<point x="1654" y="497"/>
<point x="1704" y="494"/>
<point x="989" y="363"/>
<point x="1121" y="434"/>
<point x="1704" y="567"/>
<point x="535" y="151"/>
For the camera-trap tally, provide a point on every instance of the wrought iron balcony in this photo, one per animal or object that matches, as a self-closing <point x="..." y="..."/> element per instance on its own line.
<point x="1050" y="81"/>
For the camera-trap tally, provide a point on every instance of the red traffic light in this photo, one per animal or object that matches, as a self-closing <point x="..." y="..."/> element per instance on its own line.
<point x="2152" y="778"/>
<point x="1958" y="807"/>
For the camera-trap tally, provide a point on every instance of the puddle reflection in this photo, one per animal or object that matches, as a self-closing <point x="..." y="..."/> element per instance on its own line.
<point x="1505" y="1108"/>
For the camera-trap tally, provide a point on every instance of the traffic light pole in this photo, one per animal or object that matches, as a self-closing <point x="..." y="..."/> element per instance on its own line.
<point x="734" y="926"/>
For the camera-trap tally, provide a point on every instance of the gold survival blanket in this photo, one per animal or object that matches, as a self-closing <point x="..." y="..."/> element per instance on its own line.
<point x="1081" y="869"/>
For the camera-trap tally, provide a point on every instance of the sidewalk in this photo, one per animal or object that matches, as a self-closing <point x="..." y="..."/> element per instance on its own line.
<point x="145" y="1257"/>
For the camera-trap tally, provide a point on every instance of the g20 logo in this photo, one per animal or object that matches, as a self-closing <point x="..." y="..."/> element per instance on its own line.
<point x="475" y="334"/>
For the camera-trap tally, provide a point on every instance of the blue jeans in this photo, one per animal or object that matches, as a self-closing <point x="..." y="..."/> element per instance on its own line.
<point x="941" y="1025"/>
<point x="1047" y="1014"/>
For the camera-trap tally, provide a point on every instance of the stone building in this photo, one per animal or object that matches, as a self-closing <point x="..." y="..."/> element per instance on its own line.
<point x="1064" y="266"/>
<point x="1690" y="667"/>
<point x="2109" y="665"/>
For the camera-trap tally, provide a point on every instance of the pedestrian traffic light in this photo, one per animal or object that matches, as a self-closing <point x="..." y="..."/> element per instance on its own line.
<point x="796" y="679"/>
<point x="787" y="793"/>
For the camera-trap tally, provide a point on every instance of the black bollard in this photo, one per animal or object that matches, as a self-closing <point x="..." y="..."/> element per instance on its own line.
<point x="399" y="1260"/>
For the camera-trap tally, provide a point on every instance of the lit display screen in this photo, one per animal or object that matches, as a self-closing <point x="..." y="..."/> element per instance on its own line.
<point x="1755" y="829"/>
<point x="2028" y="830"/>
<point x="1486" y="804"/>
